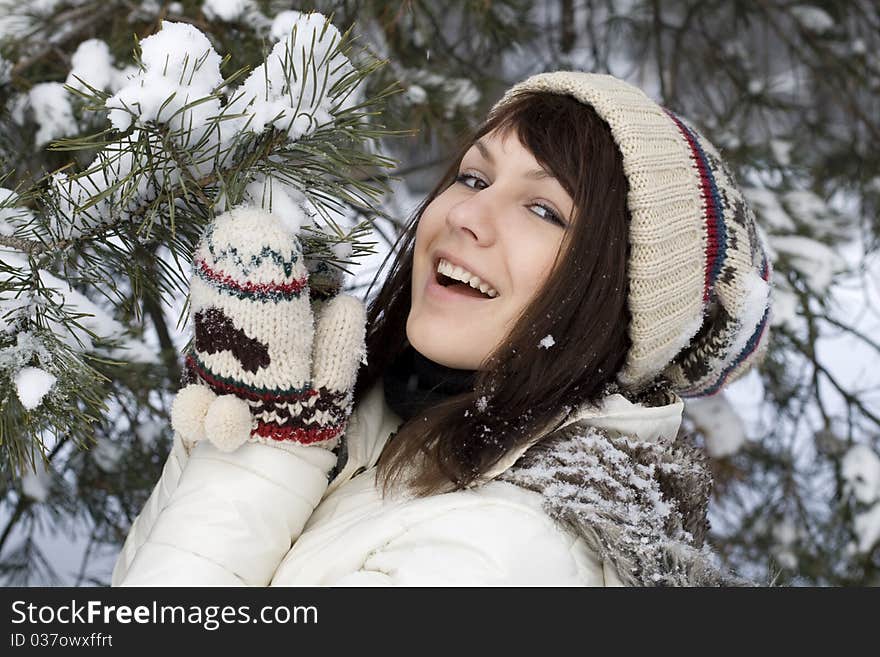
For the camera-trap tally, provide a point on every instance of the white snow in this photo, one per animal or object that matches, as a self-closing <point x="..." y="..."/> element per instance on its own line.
<point x="282" y="24"/>
<point x="717" y="420"/>
<point x="812" y="18"/>
<point x="861" y="470"/>
<point x="458" y="92"/>
<point x="817" y="262"/>
<point x="809" y="209"/>
<point x="224" y="10"/>
<point x="546" y="342"/>
<point x="786" y="534"/>
<point x="180" y="67"/>
<point x="35" y="485"/>
<point x="482" y="403"/>
<point x="93" y="64"/>
<point x="50" y="104"/>
<point x="27" y="346"/>
<point x="5" y="70"/>
<point x="284" y="92"/>
<point x="148" y="433"/>
<point x="769" y="209"/>
<point x="784" y="304"/>
<point x="342" y="250"/>
<point x="867" y="528"/>
<point x="751" y="311"/>
<point x="107" y="454"/>
<point x="96" y="319"/>
<point x="282" y="200"/>
<point x="32" y="384"/>
<point x="781" y="151"/>
<point x="785" y="82"/>
<point x="73" y="192"/>
<point x="10" y="215"/>
<point x="416" y="94"/>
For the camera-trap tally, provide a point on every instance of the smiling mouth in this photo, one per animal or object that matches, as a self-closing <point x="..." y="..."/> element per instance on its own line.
<point x="459" y="280"/>
<point x="460" y="288"/>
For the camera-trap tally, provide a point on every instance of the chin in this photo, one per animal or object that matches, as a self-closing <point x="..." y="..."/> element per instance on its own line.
<point x="442" y="347"/>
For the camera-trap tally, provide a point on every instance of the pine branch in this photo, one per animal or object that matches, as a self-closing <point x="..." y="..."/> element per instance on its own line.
<point x="32" y="247"/>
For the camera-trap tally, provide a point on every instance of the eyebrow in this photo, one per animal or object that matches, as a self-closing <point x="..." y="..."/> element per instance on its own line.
<point x="536" y="174"/>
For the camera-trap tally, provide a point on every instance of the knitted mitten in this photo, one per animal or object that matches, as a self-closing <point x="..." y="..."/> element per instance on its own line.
<point x="267" y="366"/>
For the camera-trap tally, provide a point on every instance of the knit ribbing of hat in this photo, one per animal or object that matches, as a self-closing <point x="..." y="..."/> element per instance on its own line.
<point x="716" y="233"/>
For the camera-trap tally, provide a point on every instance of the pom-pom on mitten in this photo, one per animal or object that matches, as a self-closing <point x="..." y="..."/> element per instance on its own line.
<point x="278" y="372"/>
<point x="188" y="413"/>
<point x="228" y="422"/>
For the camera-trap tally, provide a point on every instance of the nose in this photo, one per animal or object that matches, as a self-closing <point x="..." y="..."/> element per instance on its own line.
<point x="475" y="216"/>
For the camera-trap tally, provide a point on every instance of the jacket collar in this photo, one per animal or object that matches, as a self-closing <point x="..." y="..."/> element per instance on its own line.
<point x="374" y="421"/>
<point x="616" y="413"/>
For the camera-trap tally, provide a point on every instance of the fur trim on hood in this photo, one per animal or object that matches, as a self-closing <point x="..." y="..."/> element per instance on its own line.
<point x="640" y="505"/>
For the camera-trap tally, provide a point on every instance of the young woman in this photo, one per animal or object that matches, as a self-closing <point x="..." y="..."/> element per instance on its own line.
<point x="585" y="263"/>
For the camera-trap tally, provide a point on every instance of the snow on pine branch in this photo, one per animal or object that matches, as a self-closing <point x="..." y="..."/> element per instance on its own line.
<point x="73" y="319"/>
<point x="292" y="89"/>
<point x="178" y="66"/>
<point x="185" y="132"/>
<point x="183" y="143"/>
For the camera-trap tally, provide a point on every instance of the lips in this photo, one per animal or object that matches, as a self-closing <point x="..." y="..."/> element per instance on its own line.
<point x="455" y="292"/>
<point x="438" y="255"/>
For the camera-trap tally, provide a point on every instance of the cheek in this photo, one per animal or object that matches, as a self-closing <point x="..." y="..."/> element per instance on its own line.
<point x="426" y="231"/>
<point x="534" y="267"/>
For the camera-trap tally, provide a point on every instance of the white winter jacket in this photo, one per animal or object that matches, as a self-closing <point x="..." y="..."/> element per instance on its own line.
<point x="263" y="516"/>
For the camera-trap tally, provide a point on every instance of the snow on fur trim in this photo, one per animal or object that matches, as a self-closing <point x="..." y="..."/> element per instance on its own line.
<point x="641" y="506"/>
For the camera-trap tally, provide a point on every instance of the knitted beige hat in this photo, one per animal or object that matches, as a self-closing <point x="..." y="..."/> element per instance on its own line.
<point x="698" y="271"/>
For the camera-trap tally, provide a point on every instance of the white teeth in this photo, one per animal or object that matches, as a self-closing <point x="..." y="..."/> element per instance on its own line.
<point x="463" y="275"/>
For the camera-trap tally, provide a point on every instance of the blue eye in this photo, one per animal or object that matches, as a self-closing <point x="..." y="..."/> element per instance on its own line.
<point x="548" y="214"/>
<point x="544" y="211"/>
<point x="465" y="178"/>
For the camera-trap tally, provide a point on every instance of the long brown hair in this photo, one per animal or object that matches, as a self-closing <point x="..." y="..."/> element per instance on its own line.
<point x="521" y="389"/>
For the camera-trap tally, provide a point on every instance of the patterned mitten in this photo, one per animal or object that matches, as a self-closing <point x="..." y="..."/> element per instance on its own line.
<point x="264" y="368"/>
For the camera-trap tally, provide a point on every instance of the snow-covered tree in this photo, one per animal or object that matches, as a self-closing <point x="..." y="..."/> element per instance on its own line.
<point x="92" y="249"/>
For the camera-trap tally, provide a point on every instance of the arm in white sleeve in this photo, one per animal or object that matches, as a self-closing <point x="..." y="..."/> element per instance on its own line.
<point x="230" y="519"/>
<point x="158" y="500"/>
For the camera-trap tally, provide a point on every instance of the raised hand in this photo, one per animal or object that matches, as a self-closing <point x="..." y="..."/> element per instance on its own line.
<point x="266" y="366"/>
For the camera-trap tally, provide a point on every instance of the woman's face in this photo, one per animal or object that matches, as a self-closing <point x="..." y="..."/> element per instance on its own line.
<point x="503" y="219"/>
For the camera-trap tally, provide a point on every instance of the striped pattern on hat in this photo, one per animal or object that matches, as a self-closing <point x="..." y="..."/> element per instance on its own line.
<point x="699" y="276"/>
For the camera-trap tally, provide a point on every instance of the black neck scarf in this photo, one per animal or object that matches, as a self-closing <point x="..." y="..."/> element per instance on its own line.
<point x="413" y="383"/>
